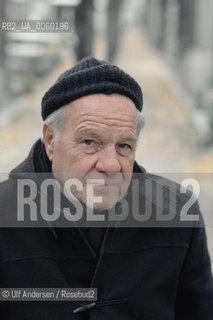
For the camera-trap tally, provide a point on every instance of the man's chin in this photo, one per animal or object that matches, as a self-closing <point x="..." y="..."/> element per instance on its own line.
<point x="102" y="206"/>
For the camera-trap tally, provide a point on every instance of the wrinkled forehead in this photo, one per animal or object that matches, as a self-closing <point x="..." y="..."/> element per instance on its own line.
<point x="108" y="107"/>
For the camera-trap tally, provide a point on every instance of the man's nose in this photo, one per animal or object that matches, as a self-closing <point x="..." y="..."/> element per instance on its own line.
<point x="108" y="161"/>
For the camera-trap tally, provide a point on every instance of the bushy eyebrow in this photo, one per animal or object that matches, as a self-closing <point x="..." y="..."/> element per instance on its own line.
<point x="130" y="138"/>
<point x="88" y="132"/>
<point x="93" y="133"/>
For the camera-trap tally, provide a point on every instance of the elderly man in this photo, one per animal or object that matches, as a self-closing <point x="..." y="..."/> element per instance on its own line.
<point x="91" y="125"/>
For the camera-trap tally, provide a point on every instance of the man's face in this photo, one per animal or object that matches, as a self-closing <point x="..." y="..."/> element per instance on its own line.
<point x="97" y="141"/>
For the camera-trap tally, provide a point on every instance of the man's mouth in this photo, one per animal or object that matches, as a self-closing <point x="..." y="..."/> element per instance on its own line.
<point x="103" y="183"/>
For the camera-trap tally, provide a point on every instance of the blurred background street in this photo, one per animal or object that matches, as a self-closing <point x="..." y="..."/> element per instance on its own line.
<point x="166" y="45"/>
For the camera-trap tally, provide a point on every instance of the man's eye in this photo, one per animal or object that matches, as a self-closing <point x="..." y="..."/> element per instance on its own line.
<point x="90" y="146"/>
<point x="124" y="149"/>
<point x="125" y="146"/>
<point x="88" y="142"/>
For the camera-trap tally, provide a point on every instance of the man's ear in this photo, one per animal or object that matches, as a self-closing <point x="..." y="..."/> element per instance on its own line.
<point x="48" y="139"/>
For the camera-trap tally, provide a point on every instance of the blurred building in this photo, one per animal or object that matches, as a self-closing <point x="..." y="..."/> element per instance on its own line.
<point x="27" y="56"/>
<point x="181" y="30"/>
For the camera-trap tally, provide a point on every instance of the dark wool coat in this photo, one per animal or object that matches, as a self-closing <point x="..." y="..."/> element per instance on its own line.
<point x="140" y="273"/>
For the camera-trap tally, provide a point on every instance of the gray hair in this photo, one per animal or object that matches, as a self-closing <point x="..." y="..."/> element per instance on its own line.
<point x="56" y="121"/>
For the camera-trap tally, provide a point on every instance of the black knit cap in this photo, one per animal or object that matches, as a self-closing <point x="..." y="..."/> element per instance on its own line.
<point x="90" y="76"/>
